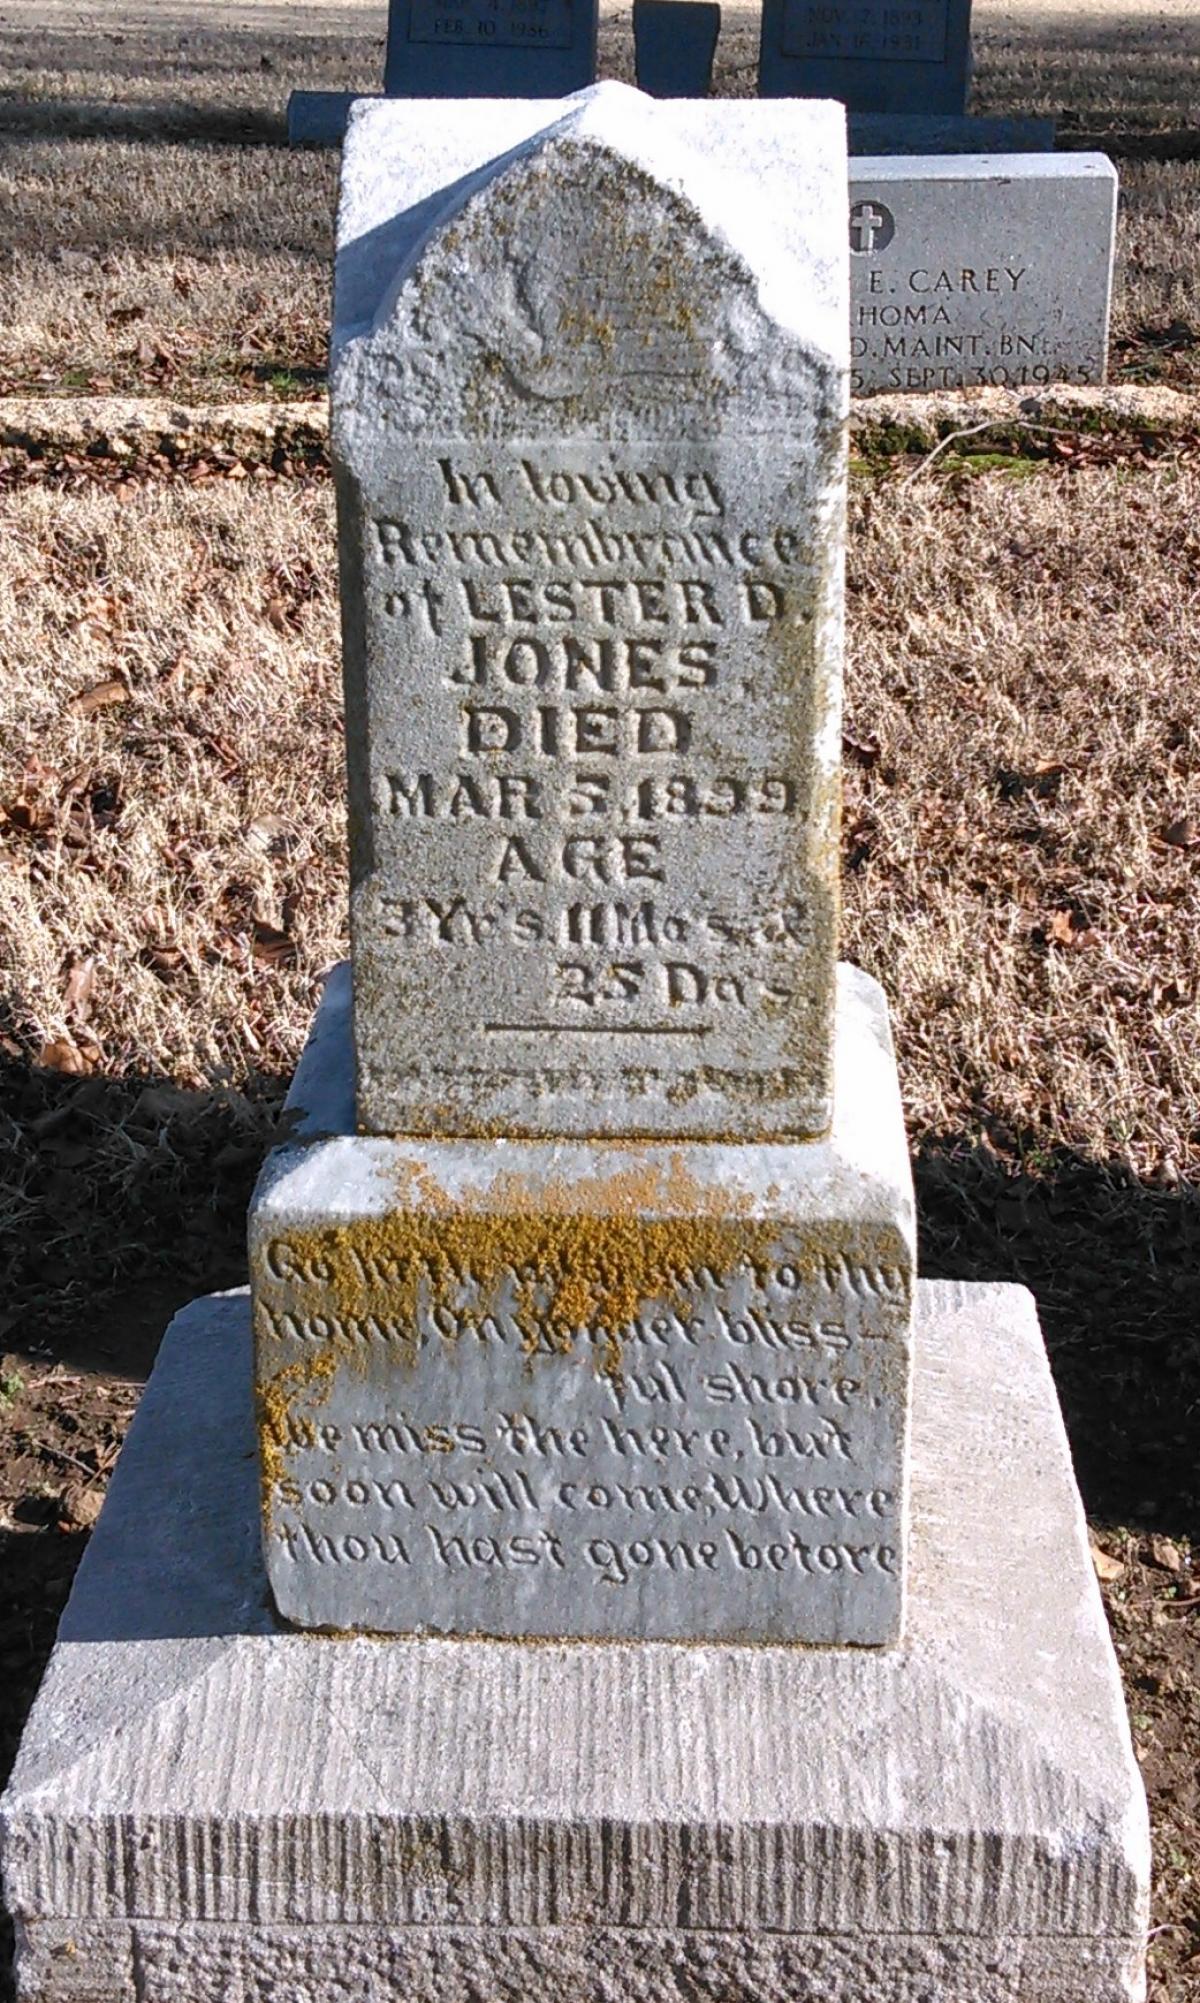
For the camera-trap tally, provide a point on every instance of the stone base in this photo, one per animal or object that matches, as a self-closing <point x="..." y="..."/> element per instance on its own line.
<point x="207" y="1808"/>
<point x="668" y="67"/>
<point x="883" y="133"/>
<point x="603" y="1390"/>
<point x="318" y="117"/>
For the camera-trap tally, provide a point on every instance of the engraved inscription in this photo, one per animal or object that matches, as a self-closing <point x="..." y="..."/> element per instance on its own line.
<point x="469" y="1431"/>
<point x="526" y="24"/>
<point x="591" y="486"/>
<point x="879" y="31"/>
<point x="600" y="809"/>
<point x="965" y="286"/>
<point x="925" y="327"/>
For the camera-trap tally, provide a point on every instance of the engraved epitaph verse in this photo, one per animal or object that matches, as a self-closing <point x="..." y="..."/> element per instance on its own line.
<point x="900" y="31"/>
<point x="596" y="802"/>
<point x="478" y="1464"/>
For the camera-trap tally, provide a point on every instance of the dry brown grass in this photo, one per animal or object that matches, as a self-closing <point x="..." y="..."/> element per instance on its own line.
<point x="172" y="875"/>
<point x="1130" y="64"/>
<point x="201" y="269"/>
<point x="1156" y="290"/>
<point x="214" y="282"/>
<point x="197" y="269"/>
<point x="1023" y="790"/>
<point x="1023" y="825"/>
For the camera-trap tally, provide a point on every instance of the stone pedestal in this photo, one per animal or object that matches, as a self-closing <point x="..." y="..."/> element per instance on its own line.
<point x="207" y="1807"/>
<point x="606" y="1390"/>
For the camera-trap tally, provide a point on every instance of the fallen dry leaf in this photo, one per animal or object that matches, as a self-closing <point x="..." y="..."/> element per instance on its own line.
<point x="1183" y="833"/>
<point x="1167" y="1554"/>
<point x="863" y="750"/>
<point x="1063" y="928"/>
<point x="269" y="834"/>
<point x="77" y="994"/>
<point x="273" y="947"/>
<point x="101" y="695"/>
<point x="1107" y="1569"/>
<point x="79" y="1506"/>
<point x="60" y="1054"/>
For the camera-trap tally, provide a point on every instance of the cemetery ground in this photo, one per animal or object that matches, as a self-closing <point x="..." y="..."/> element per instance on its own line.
<point x="1022" y="815"/>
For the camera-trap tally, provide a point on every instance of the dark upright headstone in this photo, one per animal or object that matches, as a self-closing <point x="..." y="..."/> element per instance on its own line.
<point x="873" y="55"/>
<point x="490" y="48"/>
<point x="465" y="48"/>
<point x="880" y="133"/>
<point x="674" y="43"/>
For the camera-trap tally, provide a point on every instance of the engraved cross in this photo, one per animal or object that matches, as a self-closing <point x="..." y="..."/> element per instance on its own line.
<point x="870" y="224"/>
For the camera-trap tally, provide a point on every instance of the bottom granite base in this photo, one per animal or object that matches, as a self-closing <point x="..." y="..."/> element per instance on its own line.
<point x="377" y="1964"/>
<point x="207" y="1809"/>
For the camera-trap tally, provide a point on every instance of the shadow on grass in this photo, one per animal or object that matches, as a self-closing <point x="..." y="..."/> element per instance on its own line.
<point x="172" y="120"/>
<point x="177" y="122"/>
<point x="108" y="1184"/>
<point x="1115" y="1268"/>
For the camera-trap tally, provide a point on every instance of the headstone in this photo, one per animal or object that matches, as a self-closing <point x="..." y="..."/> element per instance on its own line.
<point x="909" y="56"/>
<point x="590" y="539"/>
<point x="318" y="117"/>
<point x="490" y="48"/>
<point x="966" y="271"/>
<point x="590" y="443"/>
<point x="465" y="48"/>
<point x="674" y="42"/>
<point x="879" y="133"/>
<point x="588" y="1354"/>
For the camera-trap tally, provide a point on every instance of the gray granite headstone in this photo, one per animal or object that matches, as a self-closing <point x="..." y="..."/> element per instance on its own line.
<point x="674" y="42"/>
<point x="588" y="1312"/>
<point x="879" y="133"/>
<point x="490" y="48"/>
<point x="910" y="56"/>
<point x="973" y="270"/>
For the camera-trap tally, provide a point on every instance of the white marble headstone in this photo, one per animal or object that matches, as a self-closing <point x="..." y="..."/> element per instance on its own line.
<point x="589" y="395"/>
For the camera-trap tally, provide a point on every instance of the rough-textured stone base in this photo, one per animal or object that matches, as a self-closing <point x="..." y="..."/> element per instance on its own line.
<point x="205" y="1808"/>
<point x="374" y="1964"/>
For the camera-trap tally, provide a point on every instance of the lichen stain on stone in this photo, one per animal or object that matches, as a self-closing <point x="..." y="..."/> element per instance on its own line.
<point x="274" y="1397"/>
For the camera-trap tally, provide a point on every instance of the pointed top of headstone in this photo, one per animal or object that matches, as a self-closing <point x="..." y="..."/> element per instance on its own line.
<point x="409" y="172"/>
